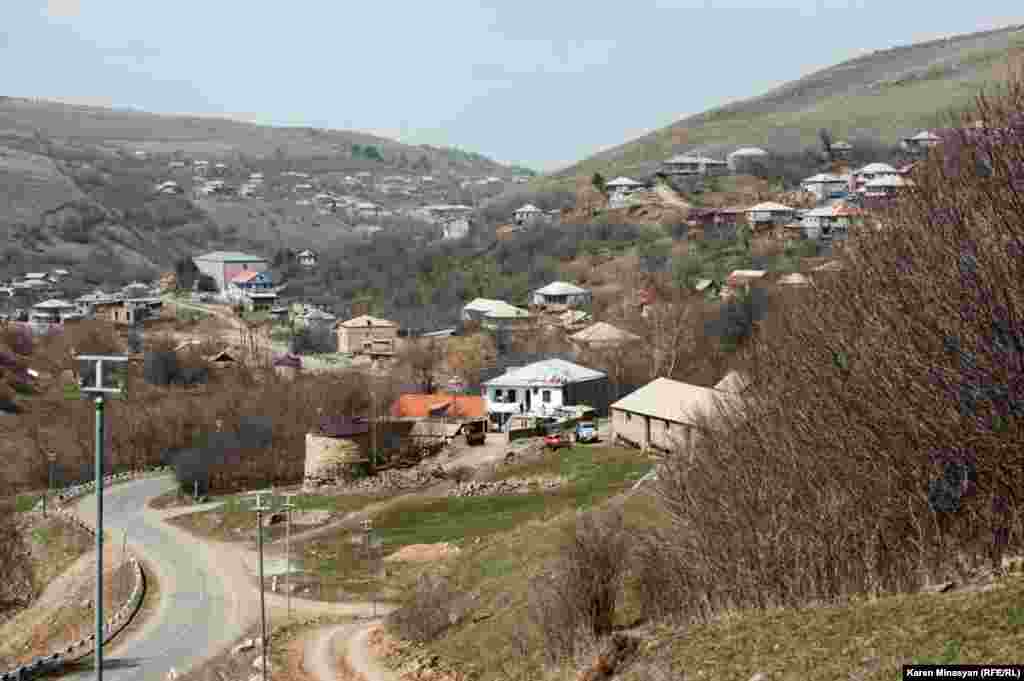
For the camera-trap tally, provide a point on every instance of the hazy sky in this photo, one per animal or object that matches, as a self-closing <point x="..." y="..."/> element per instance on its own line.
<point x="524" y="81"/>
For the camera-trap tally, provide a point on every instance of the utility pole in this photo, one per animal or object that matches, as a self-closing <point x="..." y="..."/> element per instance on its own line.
<point x="99" y="390"/>
<point x="373" y="426"/>
<point x="50" y="457"/>
<point x="368" y="540"/>
<point x="288" y="506"/>
<point x="260" y="508"/>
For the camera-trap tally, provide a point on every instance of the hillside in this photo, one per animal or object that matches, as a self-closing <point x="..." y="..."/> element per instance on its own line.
<point x="80" y="186"/>
<point x="878" y="98"/>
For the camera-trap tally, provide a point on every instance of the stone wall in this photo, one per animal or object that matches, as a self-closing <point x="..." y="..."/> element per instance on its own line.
<point x="327" y="458"/>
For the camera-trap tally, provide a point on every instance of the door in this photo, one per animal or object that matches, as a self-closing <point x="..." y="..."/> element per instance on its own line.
<point x="528" y="393"/>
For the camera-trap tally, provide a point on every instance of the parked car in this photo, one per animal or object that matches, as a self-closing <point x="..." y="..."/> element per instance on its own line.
<point x="475" y="432"/>
<point x="586" y="431"/>
<point x="557" y="441"/>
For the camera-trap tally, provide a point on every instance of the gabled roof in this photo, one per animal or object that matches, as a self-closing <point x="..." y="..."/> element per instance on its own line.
<point x="623" y="182"/>
<point x="669" y="400"/>
<point x="495" y="308"/>
<point x="842" y="145"/>
<point x="288" y="360"/>
<point x="440" y="404"/>
<point x="230" y="256"/>
<point x="926" y="135"/>
<point x="561" y="288"/>
<point x="794" y="279"/>
<point x="221" y="356"/>
<point x="366" y="320"/>
<point x="343" y="426"/>
<point x="54" y="304"/>
<point x="245" y="277"/>
<point x="547" y="372"/>
<point x="769" y="207"/>
<point x="603" y="332"/>
<point x="306" y="253"/>
<point x="749" y="151"/>
<point x="733" y="382"/>
<point x="529" y="208"/>
<point x="746" y="275"/>
<point x="889" y="181"/>
<point x="822" y="177"/>
<point x="876" y="168"/>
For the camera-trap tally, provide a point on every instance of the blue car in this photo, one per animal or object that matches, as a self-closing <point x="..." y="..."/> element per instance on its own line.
<point x="586" y="431"/>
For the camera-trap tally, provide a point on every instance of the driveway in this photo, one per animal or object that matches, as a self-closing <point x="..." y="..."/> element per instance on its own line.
<point x="208" y="597"/>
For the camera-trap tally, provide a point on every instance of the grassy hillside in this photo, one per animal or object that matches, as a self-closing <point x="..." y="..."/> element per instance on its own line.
<point x="880" y="97"/>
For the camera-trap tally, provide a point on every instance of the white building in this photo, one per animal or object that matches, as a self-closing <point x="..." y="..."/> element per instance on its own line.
<point x="527" y="214"/>
<point x="736" y="158"/>
<point x="538" y="389"/>
<point x="620" y="190"/>
<point x="306" y="258"/>
<point x="824" y="185"/>
<point x="561" y="293"/>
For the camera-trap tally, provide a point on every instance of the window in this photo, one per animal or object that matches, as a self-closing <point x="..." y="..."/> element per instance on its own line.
<point x="511" y="395"/>
<point x="497" y="393"/>
<point x="546" y="396"/>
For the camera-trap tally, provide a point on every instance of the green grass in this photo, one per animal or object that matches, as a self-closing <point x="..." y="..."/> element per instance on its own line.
<point x="26" y="502"/>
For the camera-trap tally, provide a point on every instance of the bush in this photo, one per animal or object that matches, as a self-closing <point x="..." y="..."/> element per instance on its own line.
<point x="426" y="615"/>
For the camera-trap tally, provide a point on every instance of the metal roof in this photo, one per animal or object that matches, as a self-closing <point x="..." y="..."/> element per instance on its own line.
<point x="230" y="256"/>
<point x="603" y="332"/>
<point x="671" y="400"/>
<point x="561" y="288"/>
<point x="546" y="372"/>
<point x="623" y="182"/>
<point x="529" y="208"/>
<point x="364" y="321"/>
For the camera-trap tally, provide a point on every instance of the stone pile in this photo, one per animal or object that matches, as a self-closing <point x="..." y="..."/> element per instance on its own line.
<point x="397" y="480"/>
<point x="508" y="486"/>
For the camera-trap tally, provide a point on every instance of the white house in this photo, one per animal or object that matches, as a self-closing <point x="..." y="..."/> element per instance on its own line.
<point x="493" y="313"/>
<point x="620" y="190"/>
<point x="686" y="164"/>
<point x="306" y="258"/>
<point x="527" y="214"/>
<point x="770" y="212"/>
<point x="824" y="185"/>
<point x="921" y="142"/>
<point x="736" y="158"/>
<point x="886" y="186"/>
<point x="872" y="171"/>
<point x="541" y="389"/>
<point x="561" y="293"/>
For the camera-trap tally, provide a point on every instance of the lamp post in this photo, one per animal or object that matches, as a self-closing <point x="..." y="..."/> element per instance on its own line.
<point x="99" y="390"/>
<point x="260" y="508"/>
<point x="288" y="506"/>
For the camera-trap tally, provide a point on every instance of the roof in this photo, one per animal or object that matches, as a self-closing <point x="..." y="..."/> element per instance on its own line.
<point x="842" y="145"/>
<point x="671" y="400"/>
<point x="749" y="151"/>
<point x="823" y="177"/>
<point x="925" y="135"/>
<point x="603" y="332"/>
<point x="623" y="182"/>
<point x="306" y="253"/>
<point x="35" y="275"/>
<point x="230" y="256"/>
<point x="547" y="372"/>
<point x="875" y="168"/>
<point x="366" y="320"/>
<point x="733" y="382"/>
<point x="343" y="426"/>
<point x="222" y="356"/>
<point x="830" y="266"/>
<point x="529" y="208"/>
<point x="561" y="288"/>
<point x="795" y="279"/>
<point x="454" y="406"/>
<point x="888" y="181"/>
<point x="288" y="360"/>
<point x="53" y="304"/>
<point x="243" y="277"/>
<point x="769" y="207"/>
<point x="746" y="274"/>
<point x="495" y="308"/>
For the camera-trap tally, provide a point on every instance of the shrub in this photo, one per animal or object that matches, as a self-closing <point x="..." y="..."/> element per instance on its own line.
<point x="426" y="615"/>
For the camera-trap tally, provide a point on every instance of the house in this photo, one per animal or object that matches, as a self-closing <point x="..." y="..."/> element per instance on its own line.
<point x="769" y="214"/>
<point x="133" y="311"/>
<point x="826" y="220"/>
<point x="921" y="142"/>
<point x="685" y="164"/>
<point x="841" y="150"/>
<point x="664" y="414"/>
<point x="602" y="335"/>
<point x="247" y="282"/>
<point x="886" y="186"/>
<point x="50" y="312"/>
<point x="483" y="309"/>
<point x="740" y="157"/>
<point x="561" y="293"/>
<point x="307" y="258"/>
<point x="315" y="317"/>
<point x="527" y="214"/>
<point x="541" y="388"/>
<point x="169" y="187"/>
<point x="455" y="229"/>
<point x="825" y="185"/>
<point x="620" y="190"/>
<point x="259" y="301"/>
<point x="870" y="172"/>
<point x="710" y="218"/>
<point x="366" y="335"/>
<point x="224" y="266"/>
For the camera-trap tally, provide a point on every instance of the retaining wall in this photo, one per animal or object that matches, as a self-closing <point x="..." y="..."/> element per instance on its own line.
<point x="122" y="614"/>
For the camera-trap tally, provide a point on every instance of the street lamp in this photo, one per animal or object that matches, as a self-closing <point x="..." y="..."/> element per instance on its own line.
<point x="288" y="506"/>
<point x="99" y="390"/>
<point x="260" y="508"/>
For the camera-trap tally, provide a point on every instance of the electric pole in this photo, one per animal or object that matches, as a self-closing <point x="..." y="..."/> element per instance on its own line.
<point x="260" y="508"/>
<point x="288" y="506"/>
<point x="99" y="389"/>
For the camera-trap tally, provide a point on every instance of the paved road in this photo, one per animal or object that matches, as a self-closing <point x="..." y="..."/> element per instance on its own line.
<point x="197" y="615"/>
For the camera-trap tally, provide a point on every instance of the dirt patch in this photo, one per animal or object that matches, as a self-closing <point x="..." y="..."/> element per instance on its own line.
<point x="419" y="553"/>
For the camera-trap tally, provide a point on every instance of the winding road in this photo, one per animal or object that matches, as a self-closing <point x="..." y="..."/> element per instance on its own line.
<point x="208" y="598"/>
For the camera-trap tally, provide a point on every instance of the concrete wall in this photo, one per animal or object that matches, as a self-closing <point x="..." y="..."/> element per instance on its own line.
<point x="646" y="432"/>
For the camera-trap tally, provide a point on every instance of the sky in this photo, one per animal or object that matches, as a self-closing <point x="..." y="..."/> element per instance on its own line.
<point x="538" y="83"/>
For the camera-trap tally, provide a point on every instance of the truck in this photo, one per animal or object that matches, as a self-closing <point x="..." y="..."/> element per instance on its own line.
<point x="475" y="431"/>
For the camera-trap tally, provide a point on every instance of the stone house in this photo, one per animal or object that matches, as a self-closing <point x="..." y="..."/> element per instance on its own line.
<point x="366" y="335"/>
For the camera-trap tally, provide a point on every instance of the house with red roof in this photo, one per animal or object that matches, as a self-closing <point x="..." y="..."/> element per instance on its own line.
<point x="439" y="405"/>
<point x="248" y="282"/>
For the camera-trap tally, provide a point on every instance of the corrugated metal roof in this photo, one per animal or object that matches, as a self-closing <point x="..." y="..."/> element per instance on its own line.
<point x="547" y="372"/>
<point x="561" y="288"/>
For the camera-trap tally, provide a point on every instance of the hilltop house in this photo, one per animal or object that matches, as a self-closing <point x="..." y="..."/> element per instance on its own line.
<point x="223" y="266"/>
<point x="366" y="335"/>
<point x="664" y="414"/>
<point x="685" y="164"/>
<point x="561" y="293"/>
<point x="306" y="258"/>
<point x="620" y="190"/>
<point x="921" y="142"/>
<point x="528" y="214"/>
<point x="542" y="388"/>
<point x="244" y="283"/>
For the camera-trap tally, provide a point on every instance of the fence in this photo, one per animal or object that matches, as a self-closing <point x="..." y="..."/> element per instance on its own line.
<point x="123" y="614"/>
